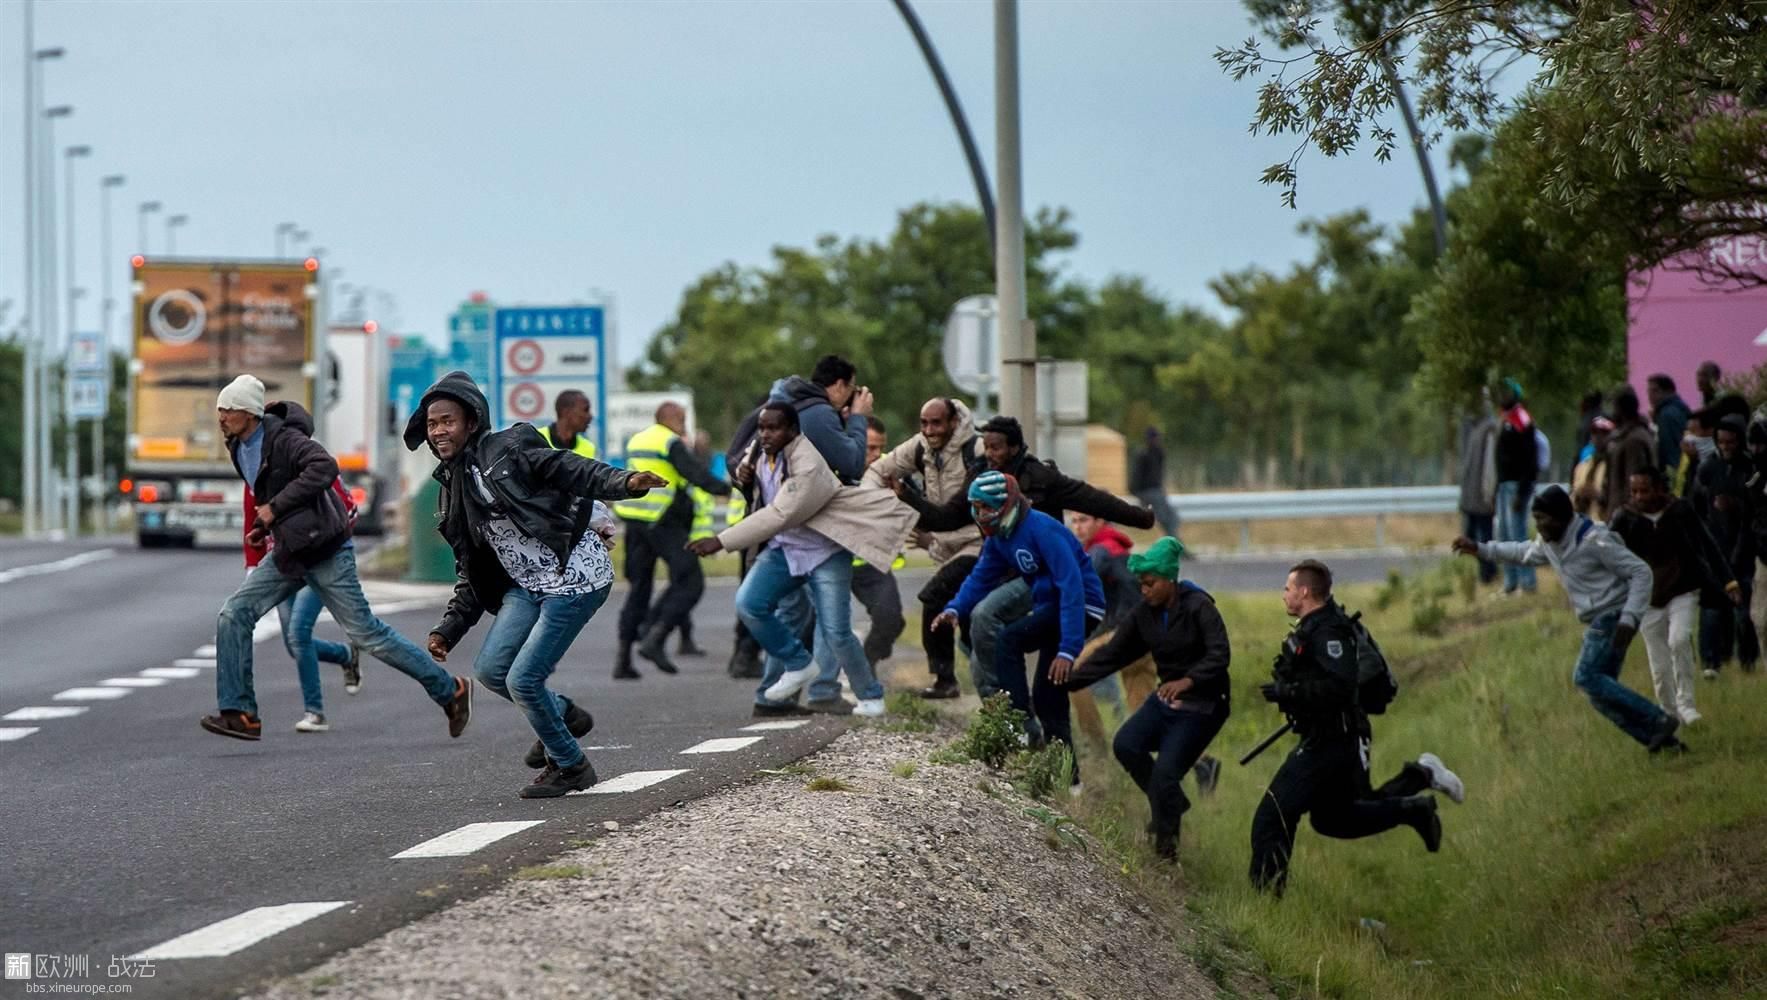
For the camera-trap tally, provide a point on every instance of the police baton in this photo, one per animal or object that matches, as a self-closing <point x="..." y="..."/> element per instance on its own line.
<point x="1264" y="744"/>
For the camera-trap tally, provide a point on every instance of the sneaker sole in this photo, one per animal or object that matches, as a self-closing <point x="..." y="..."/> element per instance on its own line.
<point x="224" y="731"/>
<point x="311" y="729"/>
<point x="785" y="689"/>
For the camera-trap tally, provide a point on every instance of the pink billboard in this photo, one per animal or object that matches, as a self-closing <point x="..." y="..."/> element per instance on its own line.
<point x="1679" y="320"/>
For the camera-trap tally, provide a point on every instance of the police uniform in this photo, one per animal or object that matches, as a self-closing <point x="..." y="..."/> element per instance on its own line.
<point x="658" y="526"/>
<point x="1327" y="774"/>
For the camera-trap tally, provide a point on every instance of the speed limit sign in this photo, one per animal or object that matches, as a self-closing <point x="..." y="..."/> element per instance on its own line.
<point x="527" y="401"/>
<point x="526" y="357"/>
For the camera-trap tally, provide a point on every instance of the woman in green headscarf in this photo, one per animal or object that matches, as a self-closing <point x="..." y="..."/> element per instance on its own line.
<point x="1177" y="624"/>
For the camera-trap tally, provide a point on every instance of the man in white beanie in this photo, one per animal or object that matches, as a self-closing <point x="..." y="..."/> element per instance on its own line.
<point x="291" y="475"/>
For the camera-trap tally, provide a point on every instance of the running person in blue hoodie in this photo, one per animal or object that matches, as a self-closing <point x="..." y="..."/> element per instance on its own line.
<point x="1067" y="599"/>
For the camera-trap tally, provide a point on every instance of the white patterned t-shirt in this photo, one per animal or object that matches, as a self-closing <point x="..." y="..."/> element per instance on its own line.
<point x="534" y="567"/>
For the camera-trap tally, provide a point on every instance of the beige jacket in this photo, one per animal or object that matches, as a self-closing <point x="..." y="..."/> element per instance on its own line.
<point x="945" y="478"/>
<point x="866" y="521"/>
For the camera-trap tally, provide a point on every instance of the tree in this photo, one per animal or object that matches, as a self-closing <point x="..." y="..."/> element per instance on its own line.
<point x="1656" y="107"/>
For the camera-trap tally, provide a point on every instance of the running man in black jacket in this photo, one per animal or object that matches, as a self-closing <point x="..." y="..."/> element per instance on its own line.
<point x="1177" y="623"/>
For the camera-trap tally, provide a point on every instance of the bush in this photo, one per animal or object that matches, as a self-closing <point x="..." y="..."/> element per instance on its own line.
<point x="1040" y="773"/>
<point x="994" y="732"/>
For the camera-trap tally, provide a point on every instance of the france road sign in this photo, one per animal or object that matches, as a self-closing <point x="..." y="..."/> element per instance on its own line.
<point x="541" y="351"/>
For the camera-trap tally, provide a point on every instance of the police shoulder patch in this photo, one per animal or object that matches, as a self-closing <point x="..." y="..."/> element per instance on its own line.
<point x="1334" y="649"/>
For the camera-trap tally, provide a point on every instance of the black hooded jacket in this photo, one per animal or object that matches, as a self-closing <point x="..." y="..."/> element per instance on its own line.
<point x="1720" y="495"/>
<point x="1048" y="489"/>
<point x="549" y="494"/>
<point x="309" y="524"/>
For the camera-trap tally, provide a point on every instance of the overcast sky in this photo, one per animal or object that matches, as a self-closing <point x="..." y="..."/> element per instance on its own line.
<point x="537" y="151"/>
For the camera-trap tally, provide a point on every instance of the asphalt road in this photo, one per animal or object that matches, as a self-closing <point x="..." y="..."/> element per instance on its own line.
<point x="125" y="827"/>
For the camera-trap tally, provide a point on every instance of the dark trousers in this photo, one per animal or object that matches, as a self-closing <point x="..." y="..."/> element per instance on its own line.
<point x="645" y="544"/>
<point x="877" y="593"/>
<point x="941" y="646"/>
<point x="1326" y="777"/>
<point x="1179" y="736"/>
<point x="1480" y="528"/>
<point x="1047" y="702"/>
<point x="1729" y="629"/>
<point x="1162" y="509"/>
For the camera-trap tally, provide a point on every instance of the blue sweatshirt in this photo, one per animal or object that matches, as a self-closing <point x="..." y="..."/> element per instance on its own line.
<point x="1049" y="557"/>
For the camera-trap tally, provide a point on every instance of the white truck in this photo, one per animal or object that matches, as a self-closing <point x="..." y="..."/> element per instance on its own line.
<point x="198" y="323"/>
<point x="357" y="426"/>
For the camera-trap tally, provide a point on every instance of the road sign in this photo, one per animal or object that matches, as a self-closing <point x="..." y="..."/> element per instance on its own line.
<point x="86" y="398"/>
<point x="972" y="347"/>
<point x="86" y="354"/>
<point x="539" y="352"/>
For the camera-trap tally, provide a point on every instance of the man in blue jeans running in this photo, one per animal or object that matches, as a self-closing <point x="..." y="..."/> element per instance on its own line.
<point x="1609" y="588"/>
<point x="292" y="475"/>
<point x="521" y="517"/>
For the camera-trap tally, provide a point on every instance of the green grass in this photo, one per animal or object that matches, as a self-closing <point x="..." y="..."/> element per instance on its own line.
<point x="905" y="769"/>
<point x="541" y="873"/>
<point x="827" y="784"/>
<point x="1578" y="867"/>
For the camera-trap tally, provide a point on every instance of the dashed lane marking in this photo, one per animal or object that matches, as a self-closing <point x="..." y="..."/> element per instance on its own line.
<point x="631" y="781"/>
<point x="38" y="713"/>
<point x="775" y="726"/>
<point x="467" y="839"/>
<point x="133" y="682"/>
<point x="724" y="744"/>
<point x="206" y="652"/>
<point x="238" y="933"/>
<point x="91" y="694"/>
<point x="58" y="566"/>
<point x="9" y="733"/>
<point x="200" y="664"/>
<point x="171" y="673"/>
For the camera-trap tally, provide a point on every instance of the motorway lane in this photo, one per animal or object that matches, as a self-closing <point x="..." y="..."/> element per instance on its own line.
<point x="128" y="826"/>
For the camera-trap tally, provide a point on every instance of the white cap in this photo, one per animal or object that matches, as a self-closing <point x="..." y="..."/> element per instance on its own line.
<point x="243" y="393"/>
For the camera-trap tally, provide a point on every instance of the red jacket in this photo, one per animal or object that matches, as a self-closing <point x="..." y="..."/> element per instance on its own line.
<point x="1113" y="541"/>
<point x="255" y="552"/>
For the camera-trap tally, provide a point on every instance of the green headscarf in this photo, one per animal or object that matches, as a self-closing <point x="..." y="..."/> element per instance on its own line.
<point x="1161" y="559"/>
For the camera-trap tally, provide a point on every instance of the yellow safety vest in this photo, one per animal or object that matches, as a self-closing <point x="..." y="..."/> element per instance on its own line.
<point x="648" y="451"/>
<point x="736" y="508"/>
<point x="583" y="447"/>
<point x="900" y="562"/>
<point x="704" y="504"/>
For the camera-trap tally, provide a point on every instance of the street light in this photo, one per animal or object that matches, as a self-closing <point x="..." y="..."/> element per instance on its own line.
<point x="70" y="441"/>
<point x="146" y="208"/>
<point x="32" y="326"/>
<point x="296" y="238"/>
<point x="172" y="223"/>
<point x="104" y="270"/>
<point x="50" y="332"/>
<point x="283" y="229"/>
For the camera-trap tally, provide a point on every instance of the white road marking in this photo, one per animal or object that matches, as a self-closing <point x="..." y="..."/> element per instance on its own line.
<point x="58" y="566"/>
<point x="238" y="933"/>
<point x="610" y="746"/>
<point x="723" y="745"/>
<point x="91" y="694"/>
<point x="631" y="781"/>
<point x="15" y="732"/>
<point x="191" y="662"/>
<point x="467" y="839"/>
<point x="774" y="726"/>
<point x="133" y="682"/>
<point x="206" y="652"/>
<point x="38" y="713"/>
<point x="171" y="673"/>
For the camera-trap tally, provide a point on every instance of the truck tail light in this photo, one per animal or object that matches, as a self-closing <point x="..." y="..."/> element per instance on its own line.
<point x="150" y="493"/>
<point x="126" y="486"/>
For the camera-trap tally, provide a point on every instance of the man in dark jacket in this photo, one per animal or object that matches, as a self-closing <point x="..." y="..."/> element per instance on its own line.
<point x="1517" y="467"/>
<point x="1175" y="622"/>
<point x="1316" y="686"/>
<point x="1049" y="492"/>
<point x="1631" y="449"/>
<point x="1663" y="530"/>
<point x="1671" y="415"/>
<point x="291" y="474"/>
<point x="831" y="413"/>
<point x="1147" y="480"/>
<point x="1721" y="497"/>
<point x="518" y="514"/>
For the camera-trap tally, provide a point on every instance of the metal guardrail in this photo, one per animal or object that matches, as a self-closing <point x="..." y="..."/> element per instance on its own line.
<point x="1375" y="502"/>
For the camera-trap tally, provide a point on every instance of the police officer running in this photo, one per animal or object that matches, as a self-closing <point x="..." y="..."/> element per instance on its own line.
<point x="657" y="527"/>
<point x="1317" y="686"/>
<point x="570" y="432"/>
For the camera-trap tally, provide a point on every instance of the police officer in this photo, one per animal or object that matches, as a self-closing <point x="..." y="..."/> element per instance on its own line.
<point x="1316" y="686"/>
<point x="570" y="432"/>
<point x="657" y="527"/>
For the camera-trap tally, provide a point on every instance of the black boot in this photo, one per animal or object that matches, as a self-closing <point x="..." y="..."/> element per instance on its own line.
<point x="1421" y="813"/>
<point x="554" y="782"/>
<point x="1166" y="845"/>
<point x="687" y="647"/>
<point x="577" y="720"/>
<point x="944" y="683"/>
<point x="651" y="648"/>
<point x="623" y="665"/>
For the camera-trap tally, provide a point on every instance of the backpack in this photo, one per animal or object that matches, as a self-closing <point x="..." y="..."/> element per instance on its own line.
<point x="1375" y="685"/>
<point x="968" y="450"/>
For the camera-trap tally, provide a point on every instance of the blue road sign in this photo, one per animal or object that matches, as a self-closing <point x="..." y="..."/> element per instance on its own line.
<point x="542" y="351"/>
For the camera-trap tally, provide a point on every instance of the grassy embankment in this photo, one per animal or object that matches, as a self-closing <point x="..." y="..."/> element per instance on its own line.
<point x="1578" y="867"/>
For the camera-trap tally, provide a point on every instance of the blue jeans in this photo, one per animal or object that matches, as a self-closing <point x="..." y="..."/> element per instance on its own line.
<point x="1512" y="526"/>
<point x="1007" y="603"/>
<point x="528" y="638"/>
<point x="758" y="602"/>
<point x="1597" y="676"/>
<point x="1046" y="702"/>
<point x="1478" y="527"/>
<point x="1729" y="629"/>
<point x="334" y="580"/>
<point x="298" y="615"/>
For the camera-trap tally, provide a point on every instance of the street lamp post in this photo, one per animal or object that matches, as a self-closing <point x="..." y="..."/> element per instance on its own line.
<point x="52" y="345"/>
<point x="147" y="207"/>
<point x="172" y="223"/>
<point x="70" y="435"/>
<point x="295" y="239"/>
<point x="106" y="304"/>
<point x="1018" y="342"/>
<point x="283" y="229"/>
<point x="31" y="326"/>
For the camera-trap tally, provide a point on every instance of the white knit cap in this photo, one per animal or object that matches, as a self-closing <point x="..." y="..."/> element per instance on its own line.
<point x="243" y="393"/>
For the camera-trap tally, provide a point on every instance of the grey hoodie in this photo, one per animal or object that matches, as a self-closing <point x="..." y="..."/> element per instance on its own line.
<point x="1596" y="568"/>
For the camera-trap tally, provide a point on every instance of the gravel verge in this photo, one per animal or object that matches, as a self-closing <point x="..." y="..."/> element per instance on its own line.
<point x="935" y="883"/>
